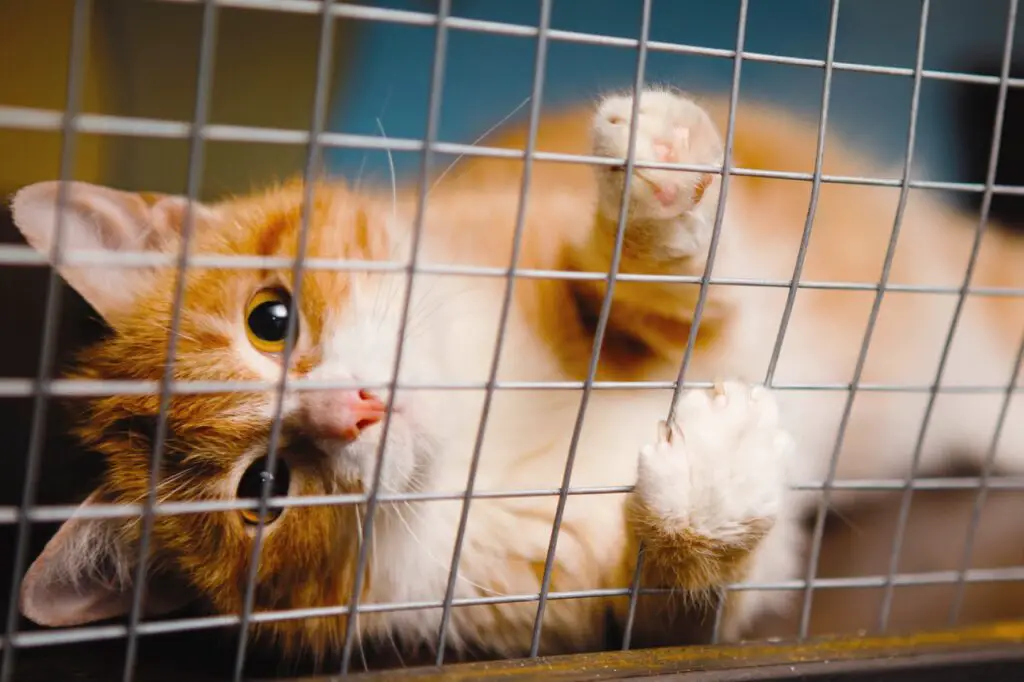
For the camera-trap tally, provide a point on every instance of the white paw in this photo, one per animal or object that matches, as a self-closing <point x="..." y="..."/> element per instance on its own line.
<point x="721" y="472"/>
<point x="670" y="129"/>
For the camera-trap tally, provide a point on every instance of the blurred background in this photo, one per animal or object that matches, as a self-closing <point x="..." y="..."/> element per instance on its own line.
<point x="142" y="62"/>
<point x="142" y="59"/>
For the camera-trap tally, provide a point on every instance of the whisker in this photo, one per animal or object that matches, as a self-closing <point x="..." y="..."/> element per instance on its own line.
<point x="394" y="181"/>
<point x="430" y="554"/>
<point x="355" y="616"/>
<point x="359" y="175"/>
<point x="476" y="141"/>
<point x="394" y="646"/>
<point x="362" y="164"/>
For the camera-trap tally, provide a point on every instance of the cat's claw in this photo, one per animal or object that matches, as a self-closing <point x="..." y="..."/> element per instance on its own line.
<point x="720" y="471"/>
<point x="670" y="129"/>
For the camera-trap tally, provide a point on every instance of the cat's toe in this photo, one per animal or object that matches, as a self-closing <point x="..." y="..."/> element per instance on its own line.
<point x="670" y="129"/>
<point x="721" y="472"/>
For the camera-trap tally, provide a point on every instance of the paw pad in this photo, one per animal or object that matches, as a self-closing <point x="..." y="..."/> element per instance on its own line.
<point x="670" y="129"/>
<point x="722" y="470"/>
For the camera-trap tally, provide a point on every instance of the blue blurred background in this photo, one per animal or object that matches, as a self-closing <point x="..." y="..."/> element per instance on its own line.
<point x="141" y="62"/>
<point x="487" y="76"/>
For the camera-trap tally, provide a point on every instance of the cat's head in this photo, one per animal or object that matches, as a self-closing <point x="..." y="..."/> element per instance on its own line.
<point x="231" y="327"/>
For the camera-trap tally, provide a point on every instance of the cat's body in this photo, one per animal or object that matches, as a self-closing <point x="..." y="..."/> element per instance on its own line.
<point x="709" y="503"/>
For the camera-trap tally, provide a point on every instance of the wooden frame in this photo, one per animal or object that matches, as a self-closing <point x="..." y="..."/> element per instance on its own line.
<point x="993" y="652"/>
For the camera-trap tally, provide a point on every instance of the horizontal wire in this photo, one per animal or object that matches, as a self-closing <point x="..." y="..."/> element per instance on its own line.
<point x="57" y="513"/>
<point x="52" y="120"/>
<point x="26" y="256"/>
<point x="394" y="16"/>
<point x="28" y="118"/>
<point x="110" y="632"/>
<point x="91" y="388"/>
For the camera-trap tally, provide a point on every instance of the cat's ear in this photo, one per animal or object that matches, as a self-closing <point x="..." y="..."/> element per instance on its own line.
<point x="85" y="574"/>
<point x="98" y="219"/>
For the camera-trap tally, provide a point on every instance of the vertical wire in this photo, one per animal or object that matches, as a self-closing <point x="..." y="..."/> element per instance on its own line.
<point x="204" y="79"/>
<point x="988" y="465"/>
<point x="602" y="324"/>
<point x="869" y="330"/>
<point x="983" y="487"/>
<point x="716" y="231"/>
<point x="986" y="203"/>
<point x="316" y="127"/>
<point x="634" y="597"/>
<point x="819" y="155"/>
<point x="819" y="522"/>
<point x="433" y="118"/>
<point x="540" y="60"/>
<point x="79" y="39"/>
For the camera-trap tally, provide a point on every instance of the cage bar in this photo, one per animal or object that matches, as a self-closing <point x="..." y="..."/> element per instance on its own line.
<point x="316" y="126"/>
<point x="726" y="171"/>
<point x="819" y="155"/>
<point x="979" y="234"/>
<point x="107" y="632"/>
<point x="395" y="16"/>
<point x="433" y="118"/>
<point x="53" y="513"/>
<point x="71" y="122"/>
<point x="29" y="118"/>
<point x="536" y="98"/>
<point x="602" y="325"/>
<point x="819" y="527"/>
<point x="79" y="39"/>
<point x="204" y="85"/>
<point x="63" y="387"/>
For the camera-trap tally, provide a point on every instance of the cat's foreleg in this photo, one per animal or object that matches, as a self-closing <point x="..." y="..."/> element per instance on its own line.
<point x="711" y="504"/>
<point x="670" y="215"/>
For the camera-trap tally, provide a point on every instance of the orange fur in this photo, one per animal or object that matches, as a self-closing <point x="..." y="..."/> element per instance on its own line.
<point x="309" y="553"/>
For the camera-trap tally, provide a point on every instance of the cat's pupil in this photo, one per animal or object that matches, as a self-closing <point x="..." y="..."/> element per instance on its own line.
<point x="251" y="484"/>
<point x="269" y="320"/>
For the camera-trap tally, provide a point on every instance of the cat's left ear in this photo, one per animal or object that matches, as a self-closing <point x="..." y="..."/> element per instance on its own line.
<point x="100" y="219"/>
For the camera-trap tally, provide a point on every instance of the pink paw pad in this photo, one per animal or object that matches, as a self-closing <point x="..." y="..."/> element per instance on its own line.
<point x="666" y="194"/>
<point x="664" y="152"/>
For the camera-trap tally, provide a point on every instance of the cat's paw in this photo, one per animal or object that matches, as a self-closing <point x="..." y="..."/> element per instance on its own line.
<point x="718" y="477"/>
<point x="670" y="129"/>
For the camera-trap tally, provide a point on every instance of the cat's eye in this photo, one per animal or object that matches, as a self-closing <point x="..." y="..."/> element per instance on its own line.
<point x="266" y="320"/>
<point x="251" y="483"/>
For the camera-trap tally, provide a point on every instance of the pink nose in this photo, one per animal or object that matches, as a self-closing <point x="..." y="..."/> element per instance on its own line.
<point x="341" y="414"/>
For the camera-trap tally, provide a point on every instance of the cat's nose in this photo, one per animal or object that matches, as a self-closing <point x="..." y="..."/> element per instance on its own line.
<point x="341" y="414"/>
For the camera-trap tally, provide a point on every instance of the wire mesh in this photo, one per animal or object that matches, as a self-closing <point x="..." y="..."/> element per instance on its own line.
<point x="872" y="318"/>
<point x="979" y="234"/>
<point x="506" y="306"/>
<point x="71" y="122"/>
<point x="79" y="41"/>
<point x="323" y="74"/>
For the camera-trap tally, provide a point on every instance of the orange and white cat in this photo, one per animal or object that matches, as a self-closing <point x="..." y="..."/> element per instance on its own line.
<point x="711" y="500"/>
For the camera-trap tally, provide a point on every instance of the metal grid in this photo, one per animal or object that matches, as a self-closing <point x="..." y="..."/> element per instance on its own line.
<point x="197" y="131"/>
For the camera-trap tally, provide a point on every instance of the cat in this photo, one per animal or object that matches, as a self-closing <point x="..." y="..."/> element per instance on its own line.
<point x="711" y="499"/>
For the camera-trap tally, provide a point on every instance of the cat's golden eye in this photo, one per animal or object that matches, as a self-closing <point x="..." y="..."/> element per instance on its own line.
<point x="251" y="483"/>
<point x="266" y="320"/>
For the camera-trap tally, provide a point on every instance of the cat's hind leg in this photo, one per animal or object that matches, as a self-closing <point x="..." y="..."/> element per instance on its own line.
<point x="711" y="504"/>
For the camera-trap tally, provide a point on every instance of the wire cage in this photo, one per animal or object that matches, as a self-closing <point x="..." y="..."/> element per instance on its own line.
<point x="73" y="122"/>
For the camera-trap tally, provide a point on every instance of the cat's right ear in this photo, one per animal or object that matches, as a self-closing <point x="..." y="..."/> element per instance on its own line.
<point x="85" y="574"/>
<point x="98" y="219"/>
